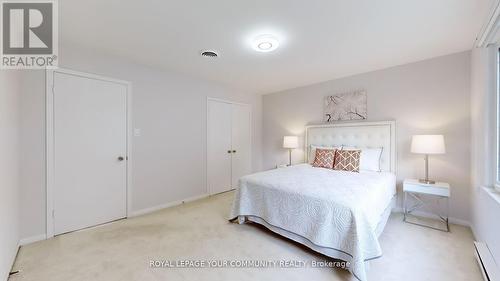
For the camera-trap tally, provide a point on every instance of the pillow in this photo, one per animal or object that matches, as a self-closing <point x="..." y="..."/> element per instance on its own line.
<point x="347" y="160"/>
<point x="370" y="159"/>
<point x="324" y="158"/>
<point x="312" y="151"/>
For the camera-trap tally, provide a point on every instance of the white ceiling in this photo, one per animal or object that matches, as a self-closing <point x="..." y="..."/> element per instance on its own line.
<point x="319" y="39"/>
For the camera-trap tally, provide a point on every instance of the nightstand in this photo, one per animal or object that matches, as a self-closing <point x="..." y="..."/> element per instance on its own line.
<point x="416" y="189"/>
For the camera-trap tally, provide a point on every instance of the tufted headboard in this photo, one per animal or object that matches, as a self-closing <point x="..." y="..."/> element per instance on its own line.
<point x="359" y="135"/>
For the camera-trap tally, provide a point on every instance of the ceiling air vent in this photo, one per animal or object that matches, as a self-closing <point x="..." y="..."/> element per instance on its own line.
<point x="209" y="54"/>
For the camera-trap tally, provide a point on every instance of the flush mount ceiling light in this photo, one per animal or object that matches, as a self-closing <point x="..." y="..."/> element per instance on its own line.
<point x="265" y="43"/>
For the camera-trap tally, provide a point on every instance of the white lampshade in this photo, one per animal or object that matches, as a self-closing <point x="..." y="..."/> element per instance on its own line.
<point x="428" y="144"/>
<point x="290" y="142"/>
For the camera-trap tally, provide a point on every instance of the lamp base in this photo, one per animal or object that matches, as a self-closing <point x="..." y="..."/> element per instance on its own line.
<point x="426" y="181"/>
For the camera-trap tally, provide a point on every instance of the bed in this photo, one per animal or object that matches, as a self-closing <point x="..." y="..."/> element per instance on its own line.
<point x="337" y="213"/>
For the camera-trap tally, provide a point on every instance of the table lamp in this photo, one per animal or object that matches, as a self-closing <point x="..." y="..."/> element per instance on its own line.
<point x="290" y="142"/>
<point x="427" y="144"/>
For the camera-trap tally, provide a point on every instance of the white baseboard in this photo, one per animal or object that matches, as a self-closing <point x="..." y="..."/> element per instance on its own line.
<point x="474" y="232"/>
<point x="32" y="239"/>
<point x="166" y="205"/>
<point x="12" y="261"/>
<point x="429" y="215"/>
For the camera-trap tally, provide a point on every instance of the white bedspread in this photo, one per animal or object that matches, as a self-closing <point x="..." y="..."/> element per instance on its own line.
<point x="332" y="209"/>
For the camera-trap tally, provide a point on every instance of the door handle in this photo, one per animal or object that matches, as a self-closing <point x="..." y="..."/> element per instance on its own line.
<point x="120" y="158"/>
<point x="229" y="151"/>
<point x="234" y="151"/>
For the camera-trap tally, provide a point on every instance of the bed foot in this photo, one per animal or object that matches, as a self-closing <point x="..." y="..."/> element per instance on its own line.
<point x="242" y="219"/>
<point x="239" y="219"/>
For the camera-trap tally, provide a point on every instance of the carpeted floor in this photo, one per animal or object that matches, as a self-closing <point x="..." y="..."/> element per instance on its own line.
<point x="199" y="231"/>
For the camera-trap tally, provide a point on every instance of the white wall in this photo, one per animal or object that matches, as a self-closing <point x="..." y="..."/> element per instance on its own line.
<point x="427" y="97"/>
<point x="485" y="204"/>
<point x="169" y="159"/>
<point x="32" y="161"/>
<point x="9" y="169"/>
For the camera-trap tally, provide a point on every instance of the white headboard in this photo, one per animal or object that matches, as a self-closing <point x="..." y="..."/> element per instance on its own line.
<point x="359" y="134"/>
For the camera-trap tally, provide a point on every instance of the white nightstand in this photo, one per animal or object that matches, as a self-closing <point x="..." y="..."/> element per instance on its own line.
<point x="414" y="188"/>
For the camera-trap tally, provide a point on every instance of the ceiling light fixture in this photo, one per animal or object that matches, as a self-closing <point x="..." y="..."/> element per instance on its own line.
<point x="209" y="53"/>
<point x="265" y="43"/>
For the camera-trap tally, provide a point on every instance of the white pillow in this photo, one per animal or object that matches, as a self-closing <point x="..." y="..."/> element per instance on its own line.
<point x="312" y="151"/>
<point x="370" y="159"/>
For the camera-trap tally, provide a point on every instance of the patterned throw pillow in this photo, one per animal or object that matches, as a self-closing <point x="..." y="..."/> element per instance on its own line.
<point x="347" y="160"/>
<point x="324" y="158"/>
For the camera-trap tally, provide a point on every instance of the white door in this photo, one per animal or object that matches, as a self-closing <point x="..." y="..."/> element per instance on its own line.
<point x="90" y="145"/>
<point x="219" y="146"/>
<point x="241" y="142"/>
<point x="229" y="144"/>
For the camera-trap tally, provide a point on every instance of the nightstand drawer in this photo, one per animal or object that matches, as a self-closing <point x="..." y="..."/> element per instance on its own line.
<point x="439" y="190"/>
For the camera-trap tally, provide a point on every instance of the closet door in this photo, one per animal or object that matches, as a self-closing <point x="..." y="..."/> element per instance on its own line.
<point x="241" y="142"/>
<point x="219" y="146"/>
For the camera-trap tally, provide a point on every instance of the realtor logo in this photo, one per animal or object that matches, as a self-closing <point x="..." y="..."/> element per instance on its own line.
<point x="29" y="34"/>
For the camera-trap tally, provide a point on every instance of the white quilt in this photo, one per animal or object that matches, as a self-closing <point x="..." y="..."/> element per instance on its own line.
<point x="332" y="209"/>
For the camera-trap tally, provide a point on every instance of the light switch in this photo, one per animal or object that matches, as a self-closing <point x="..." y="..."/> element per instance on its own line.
<point x="137" y="132"/>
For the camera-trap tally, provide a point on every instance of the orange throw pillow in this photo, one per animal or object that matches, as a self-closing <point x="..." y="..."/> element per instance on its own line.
<point x="324" y="158"/>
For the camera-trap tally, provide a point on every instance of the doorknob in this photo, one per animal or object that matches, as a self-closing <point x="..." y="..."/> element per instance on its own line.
<point x="234" y="151"/>
<point x="120" y="158"/>
<point x="229" y="151"/>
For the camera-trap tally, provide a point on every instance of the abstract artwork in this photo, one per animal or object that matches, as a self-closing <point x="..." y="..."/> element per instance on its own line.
<point x="345" y="106"/>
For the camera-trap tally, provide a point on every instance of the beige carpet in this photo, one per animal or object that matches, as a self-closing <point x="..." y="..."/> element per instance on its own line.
<point x="199" y="231"/>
